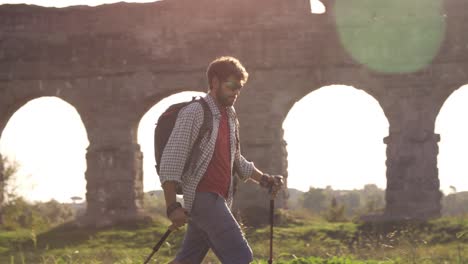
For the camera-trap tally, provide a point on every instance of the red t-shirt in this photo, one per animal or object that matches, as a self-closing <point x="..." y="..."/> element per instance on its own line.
<point x="218" y="174"/>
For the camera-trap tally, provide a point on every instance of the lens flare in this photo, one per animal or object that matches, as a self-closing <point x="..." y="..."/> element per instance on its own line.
<point x="397" y="36"/>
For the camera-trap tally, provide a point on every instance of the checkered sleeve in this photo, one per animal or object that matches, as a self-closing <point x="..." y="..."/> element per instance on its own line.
<point x="179" y="145"/>
<point x="245" y="169"/>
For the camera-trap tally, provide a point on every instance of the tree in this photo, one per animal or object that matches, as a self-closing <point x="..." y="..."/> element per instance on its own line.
<point x="351" y="200"/>
<point x="453" y="189"/>
<point x="2" y="179"/>
<point x="373" y="198"/>
<point x="8" y="170"/>
<point x="335" y="212"/>
<point x="75" y="199"/>
<point x="314" y="200"/>
<point x="54" y="212"/>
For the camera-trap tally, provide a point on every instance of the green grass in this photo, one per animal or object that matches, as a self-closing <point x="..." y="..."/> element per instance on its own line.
<point x="298" y="239"/>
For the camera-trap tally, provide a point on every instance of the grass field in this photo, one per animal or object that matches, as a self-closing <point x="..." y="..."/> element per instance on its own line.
<point x="299" y="238"/>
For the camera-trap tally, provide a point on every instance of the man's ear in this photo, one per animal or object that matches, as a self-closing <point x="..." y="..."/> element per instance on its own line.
<point x="214" y="82"/>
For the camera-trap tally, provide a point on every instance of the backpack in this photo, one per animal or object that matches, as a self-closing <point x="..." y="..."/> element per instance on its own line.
<point x="165" y="125"/>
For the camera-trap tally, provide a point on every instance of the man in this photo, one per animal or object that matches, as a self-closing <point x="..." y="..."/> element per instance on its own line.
<point x="208" y="183"/>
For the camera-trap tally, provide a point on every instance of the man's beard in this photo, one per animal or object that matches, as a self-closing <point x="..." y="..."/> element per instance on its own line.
<point x="226" y="101"/>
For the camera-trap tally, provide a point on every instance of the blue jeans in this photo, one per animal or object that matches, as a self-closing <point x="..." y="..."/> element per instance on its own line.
<point x="212" y="225"/>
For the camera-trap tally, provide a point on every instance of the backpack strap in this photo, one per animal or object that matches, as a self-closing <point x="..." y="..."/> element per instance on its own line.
<point x="205" y="128"/>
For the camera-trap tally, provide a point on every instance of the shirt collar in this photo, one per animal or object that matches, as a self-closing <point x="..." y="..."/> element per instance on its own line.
<point x="215" y="110"/>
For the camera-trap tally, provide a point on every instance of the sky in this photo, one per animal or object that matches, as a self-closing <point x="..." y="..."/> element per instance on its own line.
<point x="334" y="136"/>
<point x="65" y="3"/>
<point x="316" y="5"/>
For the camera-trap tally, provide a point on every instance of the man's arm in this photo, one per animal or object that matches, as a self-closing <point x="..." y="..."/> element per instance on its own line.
<point x="178" y="147"/>
<point x="177" y="214"/>
<point x="174" y="157"/>
<point x="256" y="175"/>
<point x="169" y="188"/>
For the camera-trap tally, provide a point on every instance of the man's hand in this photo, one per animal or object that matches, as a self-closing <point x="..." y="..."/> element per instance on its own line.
<point x="179" y="217"/>
<point x="174" y="211"/>
<point x="273" y="183"/>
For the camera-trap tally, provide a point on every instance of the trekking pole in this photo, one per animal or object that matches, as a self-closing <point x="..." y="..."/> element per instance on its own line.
<point x="158" y="245"/>
<point x="272" y="209"/>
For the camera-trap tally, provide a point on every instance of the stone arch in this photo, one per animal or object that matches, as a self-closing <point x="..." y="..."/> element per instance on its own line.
<point x="262" y="136"/>
<point x="60" y="103"/>
<point x="153" y="100"/>
<point x="353" y="93"/>
<point x="445" y="135"/>
<point x="371" y="89"/>
<point x="155" y="87"/>
<point x="444" y="94"/>
<point x="9" y="107"/>
<point x="172" y="42"/>
<point x="357" y="79"/>
<point x="18" y="94"/>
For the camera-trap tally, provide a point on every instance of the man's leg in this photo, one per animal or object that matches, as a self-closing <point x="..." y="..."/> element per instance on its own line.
<point x="212" y="215"/>
<point x="178" y="262"/>
<point x="194" y="247"/>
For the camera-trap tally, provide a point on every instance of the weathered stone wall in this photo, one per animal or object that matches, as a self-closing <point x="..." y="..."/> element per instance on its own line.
<point x="114" y="62"/>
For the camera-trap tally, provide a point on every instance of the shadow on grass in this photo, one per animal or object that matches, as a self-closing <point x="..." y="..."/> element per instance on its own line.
<point x="71" y="235"/>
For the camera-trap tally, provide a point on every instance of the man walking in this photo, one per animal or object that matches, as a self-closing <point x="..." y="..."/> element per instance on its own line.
<point x="208" y="183"/>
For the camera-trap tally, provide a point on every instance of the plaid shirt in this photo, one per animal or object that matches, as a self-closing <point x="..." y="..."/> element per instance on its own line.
<point x="179" y="146"/>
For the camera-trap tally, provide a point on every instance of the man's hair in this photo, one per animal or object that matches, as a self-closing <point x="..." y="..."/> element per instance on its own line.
<point x="223" y="67"/>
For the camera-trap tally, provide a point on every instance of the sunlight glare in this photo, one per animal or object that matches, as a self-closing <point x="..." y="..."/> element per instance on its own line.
<point x="453" y="145"/>
<point x="335" y="137"/>
<point x="397" y="36"/>
<point x="65" y="3"/>
<point x="317" y="7"/>
<point x="48" y="140"/>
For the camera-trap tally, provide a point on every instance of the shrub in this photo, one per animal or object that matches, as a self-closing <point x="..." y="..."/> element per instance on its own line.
<point x="336" y="212"/>
<point x="21" y="214"/>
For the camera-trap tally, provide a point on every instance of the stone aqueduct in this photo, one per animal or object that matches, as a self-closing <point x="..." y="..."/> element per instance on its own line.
<point x="114" y="62"/>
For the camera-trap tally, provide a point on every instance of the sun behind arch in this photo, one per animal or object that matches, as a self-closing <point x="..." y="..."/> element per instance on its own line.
<point x="48" y="139"/>
<point x="334" y="137"/>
